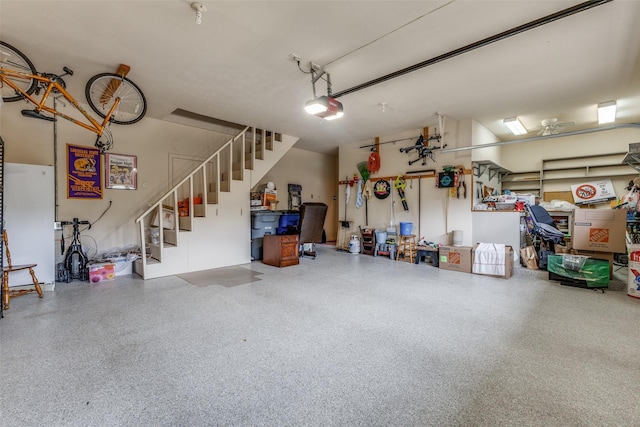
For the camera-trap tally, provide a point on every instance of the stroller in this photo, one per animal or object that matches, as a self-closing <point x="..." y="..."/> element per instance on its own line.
<point x="542" y="227"/>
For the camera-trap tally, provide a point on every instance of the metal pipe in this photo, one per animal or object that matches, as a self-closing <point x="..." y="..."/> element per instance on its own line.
<point x="539" y="138"/>
<point x="55" y="164"/>
<point x="484" y="42"/>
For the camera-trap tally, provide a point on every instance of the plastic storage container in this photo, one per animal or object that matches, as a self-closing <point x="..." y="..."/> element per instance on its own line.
<point x="288" y="223"/>
<point x="405" y="228"/>
<point x="262" y="222"/>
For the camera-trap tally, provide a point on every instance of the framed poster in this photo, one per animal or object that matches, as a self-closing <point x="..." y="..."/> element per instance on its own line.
<point x="120" y="171"/>
<point x="84" y="178"/>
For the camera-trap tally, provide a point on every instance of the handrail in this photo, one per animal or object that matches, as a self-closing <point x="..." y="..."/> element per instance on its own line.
<point x="189" y="176"/>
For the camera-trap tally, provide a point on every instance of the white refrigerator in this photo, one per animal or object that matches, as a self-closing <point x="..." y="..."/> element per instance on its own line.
<point x="29" y="220"/>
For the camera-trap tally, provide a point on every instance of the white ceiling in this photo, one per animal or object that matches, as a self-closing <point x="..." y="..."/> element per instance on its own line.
<point x="235" y="66"/>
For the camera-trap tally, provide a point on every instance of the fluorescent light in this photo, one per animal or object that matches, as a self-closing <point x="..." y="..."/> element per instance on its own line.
<point x="515" y="126"/>
<point x="325" y="107"/>
<point x="606" y="112"/>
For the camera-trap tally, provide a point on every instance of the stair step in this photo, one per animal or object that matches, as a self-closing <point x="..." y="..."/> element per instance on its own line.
<point x="170" y="238"/>
<point x="184" y="223"/>
<point x="212" y="198"/>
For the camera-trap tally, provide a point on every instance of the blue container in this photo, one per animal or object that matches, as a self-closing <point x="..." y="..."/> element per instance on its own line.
<point x="288" y="223"/>
<point x="405" y="228"/>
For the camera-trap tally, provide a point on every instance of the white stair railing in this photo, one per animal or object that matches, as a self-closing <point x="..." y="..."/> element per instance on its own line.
<point x="168" y="223"/>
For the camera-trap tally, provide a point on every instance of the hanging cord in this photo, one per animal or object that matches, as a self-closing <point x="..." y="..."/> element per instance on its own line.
<point x="92" y="223"/>
<point x="102" y="214"/>
<point x="62" y="237"/>
<point x="441" y="123"/>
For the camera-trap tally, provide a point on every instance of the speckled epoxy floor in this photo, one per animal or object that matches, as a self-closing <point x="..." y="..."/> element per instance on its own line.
<point x="341" y="340"/>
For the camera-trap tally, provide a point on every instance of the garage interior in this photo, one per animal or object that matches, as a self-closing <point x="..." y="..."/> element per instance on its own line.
<point x="205" y="332"/>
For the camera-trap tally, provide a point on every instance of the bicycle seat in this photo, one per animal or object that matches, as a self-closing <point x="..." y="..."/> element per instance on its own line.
<point x="37" y="115"/>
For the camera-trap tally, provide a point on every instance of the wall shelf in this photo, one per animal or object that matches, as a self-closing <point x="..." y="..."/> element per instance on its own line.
<point x="482" y="166"/>
<point x="633" y="160"/>
<point x="572" y="170"/>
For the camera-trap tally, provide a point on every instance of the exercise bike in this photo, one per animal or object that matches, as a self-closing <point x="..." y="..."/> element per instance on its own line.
<point x="74" y="266"/>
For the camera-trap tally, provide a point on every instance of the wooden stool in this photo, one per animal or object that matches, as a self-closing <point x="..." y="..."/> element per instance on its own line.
<point x="9" y="268"/>
<point x="407" y="245"/>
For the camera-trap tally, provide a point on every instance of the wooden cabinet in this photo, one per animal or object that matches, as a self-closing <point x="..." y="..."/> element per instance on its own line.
<point x="280" y="251"/>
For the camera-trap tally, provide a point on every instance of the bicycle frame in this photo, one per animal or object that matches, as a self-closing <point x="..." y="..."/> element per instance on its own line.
<point x="94" y="126"/>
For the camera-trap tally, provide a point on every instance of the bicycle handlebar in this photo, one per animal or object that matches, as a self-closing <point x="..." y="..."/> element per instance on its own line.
<point x="75" y="221"/>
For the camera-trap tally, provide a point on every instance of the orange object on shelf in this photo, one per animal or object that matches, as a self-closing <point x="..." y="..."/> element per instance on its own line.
<point x="183" y="207"/>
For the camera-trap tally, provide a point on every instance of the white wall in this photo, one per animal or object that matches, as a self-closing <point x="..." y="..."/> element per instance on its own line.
<point x="480" y="136"/>
<point x="433" y="213"/>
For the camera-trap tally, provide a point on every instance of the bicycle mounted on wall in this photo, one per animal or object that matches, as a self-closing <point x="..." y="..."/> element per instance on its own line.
<point x="111" y="95"/>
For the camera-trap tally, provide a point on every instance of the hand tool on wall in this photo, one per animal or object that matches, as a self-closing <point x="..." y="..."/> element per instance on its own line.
<point x="347" y="195"/>
<point x="461" y="183"/>
<point x="400" y="185"/>
<point x="479" y="190"/>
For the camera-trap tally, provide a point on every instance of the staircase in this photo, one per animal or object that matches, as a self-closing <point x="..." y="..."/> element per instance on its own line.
<point x="203" y="222"/>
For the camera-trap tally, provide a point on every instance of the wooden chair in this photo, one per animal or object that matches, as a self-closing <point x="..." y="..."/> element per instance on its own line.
<point x="7" y="294"/>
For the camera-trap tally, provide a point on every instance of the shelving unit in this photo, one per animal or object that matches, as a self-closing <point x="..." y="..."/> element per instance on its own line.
<point x="632" y="158"/>
<point x="563" y="220"/>
<point x="573" y="170"/>
<point x="522" y="182"/>
<point x="482" y="166"/>
<point x="589" y="167"/>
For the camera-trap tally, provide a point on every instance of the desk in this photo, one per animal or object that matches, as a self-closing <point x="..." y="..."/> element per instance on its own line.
<point x="427" y="251"/>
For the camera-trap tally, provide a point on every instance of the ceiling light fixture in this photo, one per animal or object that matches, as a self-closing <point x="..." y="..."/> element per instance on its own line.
<point x="515" y="126"/>
<point x="606" y="112"/>
<point x="323" y="106"/>
<point x="200" y="9"/>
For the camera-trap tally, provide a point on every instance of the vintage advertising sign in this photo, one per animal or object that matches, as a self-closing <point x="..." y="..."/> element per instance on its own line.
<point x="593" y="192"/>
<point x="84" y="180"/>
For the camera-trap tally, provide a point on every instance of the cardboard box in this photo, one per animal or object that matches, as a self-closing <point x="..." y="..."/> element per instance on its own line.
<point x="456" y="258"/>
<point x="123" y="265"/>
<point x="599" y="230"/>
<point x="633" y="281"/>
<point x="269" y="196"/>
<point x="485" y="257"/>
<point x="102" y="272"/>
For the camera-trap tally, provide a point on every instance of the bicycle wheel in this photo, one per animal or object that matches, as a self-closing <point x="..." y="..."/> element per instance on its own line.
<point x="102" y="91"/>
<point x="12" y="59"/>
